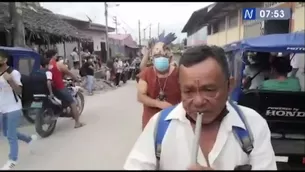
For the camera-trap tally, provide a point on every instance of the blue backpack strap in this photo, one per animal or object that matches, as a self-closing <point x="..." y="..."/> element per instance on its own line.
<point x="243" y="136"/>
<point x="161" y="129"/>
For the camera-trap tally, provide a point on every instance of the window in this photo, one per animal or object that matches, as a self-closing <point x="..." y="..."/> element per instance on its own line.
<point x="271" y="4"/>
<point x="25" y="65"/>
<point x="233" y="20"/>
<point x="222" y="25"/>
<point x="215" y="28"/>
<point x="300" y="4"/>
<point x="210" y="30"/>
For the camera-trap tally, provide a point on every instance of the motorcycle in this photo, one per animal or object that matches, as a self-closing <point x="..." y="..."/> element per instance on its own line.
<point x="135" y="71"/>
<point x="48" y="109"/>
<point x="124" y="74"/>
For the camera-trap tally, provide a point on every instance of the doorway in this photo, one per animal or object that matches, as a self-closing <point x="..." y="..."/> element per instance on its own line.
<point x="3" y="41"/>
<point x="88" y="45"/>
<point x="103" y="52"/>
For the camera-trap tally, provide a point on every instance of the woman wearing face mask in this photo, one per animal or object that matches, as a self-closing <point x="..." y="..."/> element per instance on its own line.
<point x="158" y="86"/>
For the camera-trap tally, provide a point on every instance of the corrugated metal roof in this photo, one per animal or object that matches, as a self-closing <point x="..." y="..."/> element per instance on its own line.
<point x="123" y="37"/>
<point x="119" y="36"/>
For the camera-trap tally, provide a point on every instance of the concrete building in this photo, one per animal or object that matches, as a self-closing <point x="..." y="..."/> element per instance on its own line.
<point x="225" y="25"/>
<point x="96" y="32"/>
<point x="196" y="33"/>
<point x="298" y="16"/>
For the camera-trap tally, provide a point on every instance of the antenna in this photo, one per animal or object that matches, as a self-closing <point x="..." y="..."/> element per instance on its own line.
<point x="89" y="18"/>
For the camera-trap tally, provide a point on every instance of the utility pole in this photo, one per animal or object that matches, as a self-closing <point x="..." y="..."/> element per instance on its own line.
<point x="158" y="29"/>
<point x="115" y="21"/>
<point x="16" y="20"/>
<point x="150" y="31"/>
<point x="144" y="30"/>
<point x="106" y="20"/>
<point x="139" y="33"/>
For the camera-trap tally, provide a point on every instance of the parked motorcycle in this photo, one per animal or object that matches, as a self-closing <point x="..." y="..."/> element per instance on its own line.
<point x="48" y="109"/>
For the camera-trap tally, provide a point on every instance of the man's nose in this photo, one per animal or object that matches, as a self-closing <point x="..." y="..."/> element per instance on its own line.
<point x="199" y="101"/>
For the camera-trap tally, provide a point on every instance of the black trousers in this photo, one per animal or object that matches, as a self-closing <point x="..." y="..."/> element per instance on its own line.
<point x="117" y="79"/>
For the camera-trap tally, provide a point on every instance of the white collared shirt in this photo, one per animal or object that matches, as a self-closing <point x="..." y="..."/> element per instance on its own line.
<point x="225" y="155"/>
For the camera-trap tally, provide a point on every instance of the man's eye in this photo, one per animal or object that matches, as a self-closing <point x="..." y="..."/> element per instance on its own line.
<point x="210" y="89"/>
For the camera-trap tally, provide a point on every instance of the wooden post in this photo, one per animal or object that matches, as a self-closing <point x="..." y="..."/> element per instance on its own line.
<point x="64" y="44"/>
<point x="16" y="19"/>
<point x="78" y="48"/>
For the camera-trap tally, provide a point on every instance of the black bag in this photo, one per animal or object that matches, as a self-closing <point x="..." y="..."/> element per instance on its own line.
<point x="82" y="71"/>
<point x="37" y="82"/>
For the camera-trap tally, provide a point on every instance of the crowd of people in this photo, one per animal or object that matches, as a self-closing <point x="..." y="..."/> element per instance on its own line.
<point x="50" y="76"/>
<point x="173" y="95"/>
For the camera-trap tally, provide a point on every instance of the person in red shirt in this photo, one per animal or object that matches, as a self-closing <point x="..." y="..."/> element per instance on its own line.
<point x="60" y="91"/>
<point x="158" y="86"/>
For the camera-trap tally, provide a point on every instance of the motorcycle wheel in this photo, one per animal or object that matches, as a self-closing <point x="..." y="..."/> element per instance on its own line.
<point x="40" y="119"/>
<point x="81" y="102"/>
<point x="28" y="115"/>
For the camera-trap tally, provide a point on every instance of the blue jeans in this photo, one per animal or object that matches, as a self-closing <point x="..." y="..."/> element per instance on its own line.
<point x="89" y="81"/>
<point x="10" y="122"/>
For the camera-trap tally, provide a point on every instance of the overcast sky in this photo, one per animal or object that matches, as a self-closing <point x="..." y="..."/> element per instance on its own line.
<point x="171" y="16"/>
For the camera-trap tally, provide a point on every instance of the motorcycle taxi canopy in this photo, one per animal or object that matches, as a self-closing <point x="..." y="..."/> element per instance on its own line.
<point x="232" y="46"/>
<point x="286" y="43"/>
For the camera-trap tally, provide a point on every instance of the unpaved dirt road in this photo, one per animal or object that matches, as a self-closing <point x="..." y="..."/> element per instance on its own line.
<point x="113" y="123"/>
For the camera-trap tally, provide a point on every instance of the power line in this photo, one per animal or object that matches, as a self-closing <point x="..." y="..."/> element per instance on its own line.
<point x="120" y="18"/>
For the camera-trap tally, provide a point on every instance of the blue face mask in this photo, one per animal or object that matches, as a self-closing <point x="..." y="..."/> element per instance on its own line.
<point x="161" y="63"/>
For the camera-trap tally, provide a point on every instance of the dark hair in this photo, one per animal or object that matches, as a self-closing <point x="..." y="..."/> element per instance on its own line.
<point x="59" y="57"/>
<point x="44" y="62"/>
<point x="74" y="49"/>
<point x="51" y="53"/>
<point x="198" y="54"/>
<point x="281" y="65"/>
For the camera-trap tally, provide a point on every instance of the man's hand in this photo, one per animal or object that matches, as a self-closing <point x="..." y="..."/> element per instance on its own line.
<point x="198" y="167"/>
<point x="163" y="104"/>
<point x="7" y="76"/>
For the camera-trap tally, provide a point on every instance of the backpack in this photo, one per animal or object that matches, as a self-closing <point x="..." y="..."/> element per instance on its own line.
<point x="244" y="137"/>
<point x="9" y="70"/>
<point x="37" y="82"/>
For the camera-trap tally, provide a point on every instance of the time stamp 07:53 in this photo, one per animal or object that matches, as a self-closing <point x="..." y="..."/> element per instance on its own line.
<point x="266" y="13"/>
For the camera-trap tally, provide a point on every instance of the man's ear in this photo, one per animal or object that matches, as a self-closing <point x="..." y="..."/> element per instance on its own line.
<point x="232" y="82"/>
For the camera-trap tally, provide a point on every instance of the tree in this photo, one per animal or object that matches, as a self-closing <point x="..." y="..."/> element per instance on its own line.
<point x="16" y="19"/>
